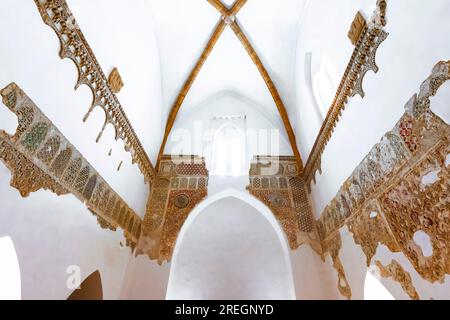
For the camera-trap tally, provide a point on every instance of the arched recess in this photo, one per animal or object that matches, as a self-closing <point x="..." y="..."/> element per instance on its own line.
<point x="10" y="281"/>
<point x="375" y="290"/>
<point x="90" y="289"/>
<point x="231" y="247"/>
<point x="229" y="151"/>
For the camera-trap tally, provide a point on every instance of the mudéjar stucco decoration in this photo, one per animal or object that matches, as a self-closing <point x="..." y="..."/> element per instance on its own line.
<point x="332" y="246"/>
<point x="74" y="46"/>
<point x="181" y="184"/>
<point x="277" y="182"/>
<point x="357" y="28"/>
<point x="401" y="188"/>
<point x="395" y="271"/>
<point x="371" y="35"/>
<point x="40" y="157"/>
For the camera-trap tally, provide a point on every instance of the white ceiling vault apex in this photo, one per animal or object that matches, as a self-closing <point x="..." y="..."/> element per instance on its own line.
<point x="277" y="36"/>
<point x="228" y="3"/>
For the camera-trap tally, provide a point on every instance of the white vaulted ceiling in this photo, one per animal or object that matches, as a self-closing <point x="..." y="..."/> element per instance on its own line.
<point x="183" y="29"/>
<point x="154" y="44"/>
<point x="180" y="29"/>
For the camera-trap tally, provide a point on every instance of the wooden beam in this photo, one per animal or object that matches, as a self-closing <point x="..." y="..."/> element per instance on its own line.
<point x="272" y="88"/>
<point x="188" y="84"/>
<point x="237" y="7"/>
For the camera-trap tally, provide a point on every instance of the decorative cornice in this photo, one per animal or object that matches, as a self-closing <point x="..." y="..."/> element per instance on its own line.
<point x="399" y="139"/>
<point x="57" y="15"/>
<point x="40" y="157"/>
<point x="362" y="60"/>
<point x="386" y="200"/>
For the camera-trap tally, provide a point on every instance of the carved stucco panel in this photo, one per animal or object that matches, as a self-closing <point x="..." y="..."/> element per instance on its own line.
<point x="40" y="157"/>
<point x="395" y="271"/>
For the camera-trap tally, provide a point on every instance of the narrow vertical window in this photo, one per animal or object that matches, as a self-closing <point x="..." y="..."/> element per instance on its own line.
<point x="229" y="150"/>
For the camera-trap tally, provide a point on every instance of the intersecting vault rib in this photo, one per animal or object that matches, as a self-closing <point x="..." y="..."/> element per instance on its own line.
<point x="253" y="55"/>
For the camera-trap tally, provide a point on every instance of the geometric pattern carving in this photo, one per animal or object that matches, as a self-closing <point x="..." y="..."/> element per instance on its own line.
<point x="35" y="136"/>
<point x="386" y="201"/>
<point x="180" y="185"/>
<point x="74" y="46"/>
<point x="411" y="207"/>
<point x="56" y="165"/>
<point x="406" y="130"/>
<point x="73" y="169"/>
<point x="276" y="182"/>
<point x="301" y="204"/>
<point x="81" y="180"/>
<point x="363" y="60"/>
<point x="49" y="150"/>
<point x="62" y="161"/>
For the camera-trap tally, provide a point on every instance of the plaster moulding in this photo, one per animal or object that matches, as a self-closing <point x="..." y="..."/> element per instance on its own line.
<point x="40" y="157"/>
<point x="181" y="184"/>
<point x="385" y="200"/>
<point x="276" y="181"/>
<point x="367" y="37"/>
<point x="74" y="46"/>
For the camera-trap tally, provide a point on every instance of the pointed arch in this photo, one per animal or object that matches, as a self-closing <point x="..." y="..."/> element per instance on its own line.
<point x="283" y="263"/>
<point x="90" y="289"/>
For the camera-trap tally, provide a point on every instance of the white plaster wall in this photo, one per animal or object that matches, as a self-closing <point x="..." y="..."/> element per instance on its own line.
<point x="51" y="233"/>
<point x="145" y="279"/>
<point x="229" y="250"/>
<point x="313" y="278"/>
